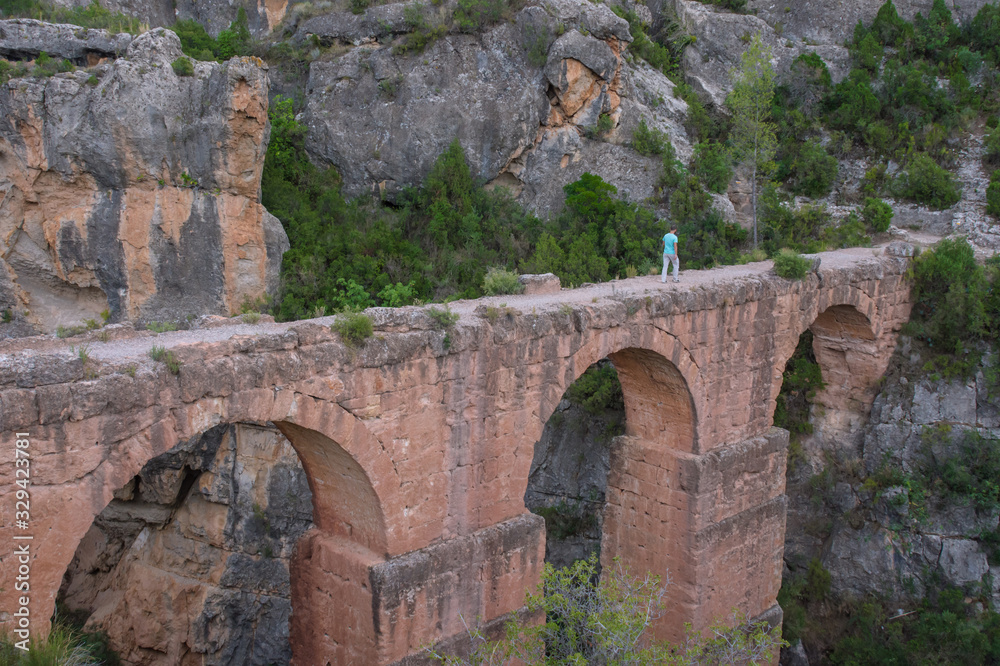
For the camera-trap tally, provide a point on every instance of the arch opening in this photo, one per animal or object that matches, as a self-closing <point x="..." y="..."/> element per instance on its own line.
<point x="205" y="554"/>
<point x="623" y="493"/>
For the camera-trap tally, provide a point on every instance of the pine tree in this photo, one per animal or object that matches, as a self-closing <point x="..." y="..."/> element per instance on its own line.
<point x="753" y="133"/>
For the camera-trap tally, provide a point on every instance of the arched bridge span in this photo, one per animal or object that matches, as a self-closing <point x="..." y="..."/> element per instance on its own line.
<point x="418" y="443"/>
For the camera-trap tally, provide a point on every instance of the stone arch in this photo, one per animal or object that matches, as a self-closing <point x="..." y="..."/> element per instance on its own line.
<point x="649" y="520"/>
<point x="852" y="351"/>
<point x="662" y="355"/>
<point x="350" y="474"/>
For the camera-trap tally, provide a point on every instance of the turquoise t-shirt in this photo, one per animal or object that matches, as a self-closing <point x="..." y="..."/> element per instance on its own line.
<point x="670" y="244"/>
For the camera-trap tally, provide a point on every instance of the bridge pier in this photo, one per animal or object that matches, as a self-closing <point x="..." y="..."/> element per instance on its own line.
<point x="351" y="606"/>
<point x="714" y="521"/>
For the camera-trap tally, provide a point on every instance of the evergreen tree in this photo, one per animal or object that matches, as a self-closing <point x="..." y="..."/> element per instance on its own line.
<point x="753" y="133"/>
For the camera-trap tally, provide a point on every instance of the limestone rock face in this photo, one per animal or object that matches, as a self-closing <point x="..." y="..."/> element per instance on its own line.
<point x="811" y="19"/>
<point x="136" y="190"/>
<point x="383" y="119"/>
<point x="524" y="100"/>
<point x="876" y="543"/>
<point x="22" y="39"/>
<point x="721" y="37"/>
<point x="215" y="15"/>
<point x="190" y="561"/>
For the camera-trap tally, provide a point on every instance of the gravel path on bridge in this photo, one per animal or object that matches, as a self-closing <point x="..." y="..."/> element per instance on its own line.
<point x="136" y="345"/>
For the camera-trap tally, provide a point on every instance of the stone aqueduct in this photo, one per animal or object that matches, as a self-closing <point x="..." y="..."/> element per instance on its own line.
<point x="418" y="448"/>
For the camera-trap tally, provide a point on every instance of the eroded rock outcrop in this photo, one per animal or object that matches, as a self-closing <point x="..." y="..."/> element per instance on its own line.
<point x="721" y="38"/>
<point x="190" y="561"/>
<point x="216" y="15"/>
<point x="133" y="189"/>
<point x="22" y="39"/>
<point x="523" y="98"/>
<point x="881" y="539"/>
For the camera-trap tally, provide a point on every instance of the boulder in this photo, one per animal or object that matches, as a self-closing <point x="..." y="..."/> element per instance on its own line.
<point x="136" y="190"/>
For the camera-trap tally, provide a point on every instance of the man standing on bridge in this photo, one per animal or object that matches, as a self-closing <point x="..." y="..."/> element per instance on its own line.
<point x="670" y="254"/>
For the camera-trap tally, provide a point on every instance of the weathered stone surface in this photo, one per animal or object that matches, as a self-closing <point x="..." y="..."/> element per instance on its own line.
<point x="345" y="27"/>
<point x="720" y="39"/>
<point x="383" y="119"/>
<point x="810" y="20"/>
<point x="547" y="283"/>
<point x="216" y="15"/>
<point x="24" y="39"/>
<point x="212" y="528"/>
<point x="139" y="194"/>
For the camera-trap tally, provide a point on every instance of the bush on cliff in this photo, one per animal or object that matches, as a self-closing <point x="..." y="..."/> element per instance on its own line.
<point x="956" y="304"/>
<point x="927" y="183"/>
<point x="435" y="244"/>
<point x="993" y="195"/>
<point x="597" y="236"/>
<point x="198" y="44"/>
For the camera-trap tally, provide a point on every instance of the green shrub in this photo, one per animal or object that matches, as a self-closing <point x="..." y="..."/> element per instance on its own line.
<point x="536" y="43"/>
<point x="234" y="40"/>
<point x="877" y="214"/>
<point x="443" y="317"/>
<point x="195" y="41"/>
<point x="954" y="301"/>
<point x="646" y="141"/>
<point x="709" y="241"/>
<point x="812" y="171"/>
<point x="353" y="327"/>
<point x="991" y="147"/>
<point x="597" y="390"/>
<point x="868" y="54"/>
<point x="800" y="382"/>
<point x="567" y="519"/>
<point x="849" y="233"/>
<point x="713" y="164"/>
<point x="161" y="327"/>
<point x="791" y="265"/>
<point x="664" y="52"/>
<point x="782" y="226"/>
<point x="474" y="15"/>
<point x="673" y="171"/>
<point x="183" y="66"/>
<point x="499" y="281"/>
<point x="993" y="195"/>
<point x="927" y="183"/>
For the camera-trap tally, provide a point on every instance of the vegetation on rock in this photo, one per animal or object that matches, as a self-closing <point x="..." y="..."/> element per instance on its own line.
<point x="91" y="16"/>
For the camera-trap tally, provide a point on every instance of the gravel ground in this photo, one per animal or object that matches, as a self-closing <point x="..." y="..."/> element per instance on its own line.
<point x="135" y="345"/>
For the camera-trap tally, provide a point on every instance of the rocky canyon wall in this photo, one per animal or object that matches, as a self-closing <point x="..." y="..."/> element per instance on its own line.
<point x="190" y="561"/>
<point x="524" y="98"/>
<point x="132" y="189"/>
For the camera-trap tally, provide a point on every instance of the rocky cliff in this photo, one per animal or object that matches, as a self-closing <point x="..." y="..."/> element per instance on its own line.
<point x="189" y="562"/>
<point x="132" y="189"/>
<point x="524" y="98"/>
